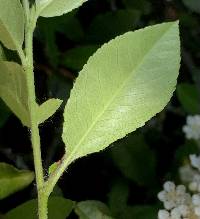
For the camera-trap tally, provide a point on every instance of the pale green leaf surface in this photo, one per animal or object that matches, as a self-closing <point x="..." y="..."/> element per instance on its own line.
<point x="47" y="109"/>
<point x="123" y="85"/>
<point x="11" y="24"/>
<point x="92" y="209"/>
<point x="13" y="180"/>
<point x="13" y="90"/>
<point x="59" y="208"/>
<point x="53" y="8"/>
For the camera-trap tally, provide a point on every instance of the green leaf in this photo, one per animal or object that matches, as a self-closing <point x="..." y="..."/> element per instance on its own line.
<point x="122" y="86"/>
<point x="129" y="155"/>
<point x="189" y="98"/>
<point x="52" y="8"/>
<point x="118" y="198"/>
<point x="13" y="180"/>
<point x="109" y="25"/>
<point x="59" y="208"/>
<point x="11" y="24"/>
<point x="141" y="212"/>
<point x="76" y="58"/>
<point x="92" y="209"/>
<point x="193" y="5"/>
<point x="13" y="90"/>
<point x="47" y="109"/>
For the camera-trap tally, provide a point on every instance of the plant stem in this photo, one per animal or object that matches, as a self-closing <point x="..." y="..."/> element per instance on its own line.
<point x="35" y="136"/>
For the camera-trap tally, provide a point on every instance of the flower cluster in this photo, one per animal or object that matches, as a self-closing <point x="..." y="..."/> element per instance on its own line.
<point x="177" y="202"/>
<point x="192" y="127"/>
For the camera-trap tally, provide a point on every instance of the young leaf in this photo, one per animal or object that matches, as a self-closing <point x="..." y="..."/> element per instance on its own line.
<point x="52" y="8"/>
<point x="59" y="208"/>
<point x="13" y="180"/>
<point x="11" y="24"/>
<point x="91" y="210"/>
<point x="123" y="85"/>
<point x="47" y="109"/>
<point x="13" y="90"/>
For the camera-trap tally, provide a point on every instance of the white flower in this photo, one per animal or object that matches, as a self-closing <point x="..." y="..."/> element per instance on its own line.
<point x="191" y="177"/>
<point x="192" y="127"/>
<point x="195" y="161"/>
<point x="173" y="196"/>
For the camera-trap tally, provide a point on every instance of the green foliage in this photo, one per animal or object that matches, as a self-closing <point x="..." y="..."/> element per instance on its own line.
<point x="13" y="180"/>
<point x="135" y="149"/>
<point x="4" y="113"/>
<point x="47" y="109"/>
<point x="112" y="24"/>
<point x="59" y="208"/>
<point x="13" y="90"/>
<point x="122" y="86"/>
<point x="189" y="97"/>
<point x="2" y="56"/>
<point x="51" y="8"/>
<point x="92" y="209"/>
<point x="11" y="24"/>
<point x="193" y="5"/>
<point x="76" y="58"/>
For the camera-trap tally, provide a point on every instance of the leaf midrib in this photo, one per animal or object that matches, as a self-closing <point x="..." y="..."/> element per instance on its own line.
<point x="70" y="157"/>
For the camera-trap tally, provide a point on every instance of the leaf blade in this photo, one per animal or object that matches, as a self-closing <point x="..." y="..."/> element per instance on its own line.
<point x="13" y="90"/>
<point x="13" y="180"/>
<point x="54" y="8"/>
<point x="11" y="24"/>
<point x="99" y="111"/>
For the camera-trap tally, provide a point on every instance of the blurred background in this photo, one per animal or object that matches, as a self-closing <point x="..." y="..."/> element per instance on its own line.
<point x="128" y="175"/>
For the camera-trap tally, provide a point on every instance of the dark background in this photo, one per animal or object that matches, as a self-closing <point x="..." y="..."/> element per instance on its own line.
<point x="131" y="171"/>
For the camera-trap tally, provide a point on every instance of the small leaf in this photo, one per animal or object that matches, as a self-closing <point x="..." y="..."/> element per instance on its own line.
<point x="11" y="24"/>
<point x="92" y="209"/>
<point x="193" y="5"/>
<point x="13" y="180"/>
<point x="122" y="86"/>
<point x="47" y="109"/>
<point x="189" y="98"/>
<point x="52" y="8"/>
<point x="59" y="208"/>
<point x="53" y="167"/>
<point x="13" y="90"/>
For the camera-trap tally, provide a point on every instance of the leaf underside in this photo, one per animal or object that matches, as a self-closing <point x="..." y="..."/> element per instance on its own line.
<point x="11" y="24"/>
<point x="59" y="7"/>
<point x="122" y="86"/>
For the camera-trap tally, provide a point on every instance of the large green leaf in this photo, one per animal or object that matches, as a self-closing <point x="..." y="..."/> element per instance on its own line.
<point x="13" y="180"/>
<point x="51" y="8"/>
<point x="59" y="208"/>
<point x="123" y="85"/>
<point x="92" y="209"/>
<point x="1" y="53"/>
<point x="11" y="24"/>
<point x="13" y="90"/>
<point x="189" y="97"/>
